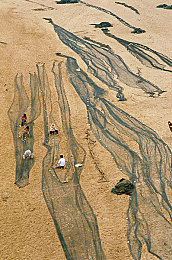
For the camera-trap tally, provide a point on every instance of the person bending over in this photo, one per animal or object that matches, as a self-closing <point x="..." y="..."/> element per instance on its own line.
<point x="26" y="132"/>
<point x="61" y="163"/>
<point x="53" y="129"/>
<point x="24" y="119"/>
<point x="28" y="154"/>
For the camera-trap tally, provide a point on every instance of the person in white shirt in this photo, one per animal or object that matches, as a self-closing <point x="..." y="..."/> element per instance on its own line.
<point x="61" y="163"/>
<point x="53" y="129"/>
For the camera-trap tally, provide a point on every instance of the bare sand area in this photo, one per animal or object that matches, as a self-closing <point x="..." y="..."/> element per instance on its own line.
<point x="118" y="227"/>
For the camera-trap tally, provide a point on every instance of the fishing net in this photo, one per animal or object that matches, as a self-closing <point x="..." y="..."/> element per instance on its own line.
<point x="140" y="153"/>
<point x="105" y="65"/>
<point x="19" y="106"/>
<point x="137" y="50"/>
<point x="73" y="217"/>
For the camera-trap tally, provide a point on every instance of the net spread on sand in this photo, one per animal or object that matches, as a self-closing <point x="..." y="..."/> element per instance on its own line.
<point x="19" y="106"/>
<point x="137" y="150"/>
<point x="148" y="166"/>
<point x="75" y="221"/>
<point x="105" y="64"/>
<point x="148" y="169"/>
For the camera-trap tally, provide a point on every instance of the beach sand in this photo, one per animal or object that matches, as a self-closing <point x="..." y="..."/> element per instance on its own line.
<point x="27" y="229"/>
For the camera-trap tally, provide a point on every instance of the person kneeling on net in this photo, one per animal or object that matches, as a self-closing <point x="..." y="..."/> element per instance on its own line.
<point x="26" y="132"/>
<point x="28" y="154"/>
<point x="53" y="129"/>
<point x="61" y="163"/>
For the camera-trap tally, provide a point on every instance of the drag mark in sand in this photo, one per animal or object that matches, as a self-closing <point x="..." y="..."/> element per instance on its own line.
<point x="19" y="106"/>
<point x="3" y="43"/>
<point x="136" y="50"/>
<point x="128" y="6"/>
<point x="45" y="6"/>
<point x="105" y="65"/>
<point x="74" y="219"/>
<point x="148" y="166"/>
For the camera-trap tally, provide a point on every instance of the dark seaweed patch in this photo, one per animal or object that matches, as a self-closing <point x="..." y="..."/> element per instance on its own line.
<point x="164" y="6"/>
<point x="123" y="187"/>
<point x="102" y="25"/>
<point x="67" y="2"/>
<point x="138" y="31"/>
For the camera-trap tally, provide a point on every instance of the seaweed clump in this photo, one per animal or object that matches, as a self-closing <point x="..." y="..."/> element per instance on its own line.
<point x="67" y="2"/>
<point x="123" y="187"/>
<point x="102" y="25"/>
<point x="138" y="31"/>
<point x="164" y="6"/>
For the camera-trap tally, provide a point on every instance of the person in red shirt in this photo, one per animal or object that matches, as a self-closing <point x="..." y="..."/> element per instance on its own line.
<point x="24" y="119"/>
<point x="170" y="125"/>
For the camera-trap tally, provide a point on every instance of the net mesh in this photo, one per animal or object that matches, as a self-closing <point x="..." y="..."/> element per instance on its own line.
<point x="137" y="150"/>
<point x="137" y="50"/>
<point x="19" y="106"/>
<point x="73" y="217"/>
<point x="140" y="153"/>
<point x="105" y="65"/>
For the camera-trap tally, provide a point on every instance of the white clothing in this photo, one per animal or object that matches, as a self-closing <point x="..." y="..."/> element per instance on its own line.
<point x="27" y="153"/>
<point x="52" y="128"/>
<point x="61" y="162"/>
<point x="78" y="165"/>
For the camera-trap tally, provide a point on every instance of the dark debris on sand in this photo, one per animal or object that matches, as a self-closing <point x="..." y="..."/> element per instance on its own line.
<point x="123" y="187"/>
<point x="164" y="6"/>
<point x="138" y="31"/>
<point x="67" y="2"/>
<point x="102" y="25"/>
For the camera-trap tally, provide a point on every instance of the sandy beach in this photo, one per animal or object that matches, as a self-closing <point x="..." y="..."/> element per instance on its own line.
<point x="112" y="82"/>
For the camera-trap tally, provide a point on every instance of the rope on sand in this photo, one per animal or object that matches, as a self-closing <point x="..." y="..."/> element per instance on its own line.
<point x="91" y="145"/>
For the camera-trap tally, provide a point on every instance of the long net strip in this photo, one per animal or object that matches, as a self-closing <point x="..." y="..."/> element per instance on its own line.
<point x="74" y="219"/>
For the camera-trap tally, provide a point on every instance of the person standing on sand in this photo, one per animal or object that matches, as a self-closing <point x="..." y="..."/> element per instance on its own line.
<point x="61" y="163"/>
<point x="170" y="125"/>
